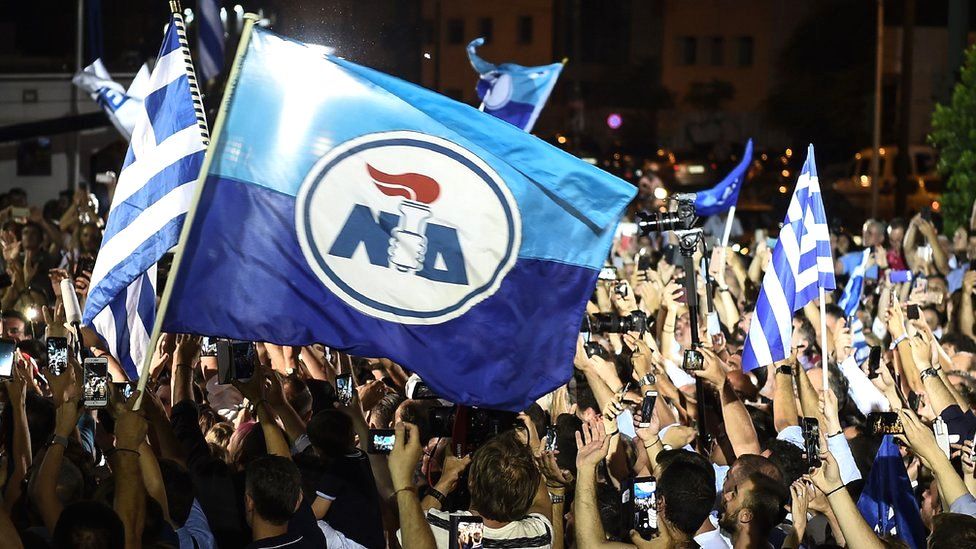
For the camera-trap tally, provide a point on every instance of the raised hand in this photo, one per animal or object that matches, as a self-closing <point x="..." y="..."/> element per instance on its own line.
<point x="405" y="455"/>
<point x="186" y="348"/>
<point x="715" y="370"/>
<point x="592" y="444"/>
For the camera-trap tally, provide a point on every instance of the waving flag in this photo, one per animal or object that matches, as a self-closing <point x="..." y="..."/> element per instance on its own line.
<point x="154" y="191"/>
<point x="801" y="265"/>
<point x="514" y="93"/>
<point x="123" y="107"/>
<point x="887" y="502"/>
<point x="851" y="297"/>
<point x="723" y="196"/>
<point x="210" y="39"/>
<point x="381" y="218"/>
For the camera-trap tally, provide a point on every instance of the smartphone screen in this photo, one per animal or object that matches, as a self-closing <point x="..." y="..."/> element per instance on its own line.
<point x="208" y="346"/>
<point x="57" y="355"/>
<point x="898" y="277"/>
<point x="95" y="389"/>
<point x="551" y="436"/>
<point x="466" y="532"/>
<point x="647" y="407"/>
<point x="644" y="497"/>
<point x="693" y="360"/>
<point x="874" y="361"/>
<point x="124" y="389"/>
<point x="344" y="388"/>
<point x="7" y="349"/>
<point x="885" y="423"/>
<point x="811" y="439"/>
<point x="380" y="441"/>
<point x="243" y="354"/>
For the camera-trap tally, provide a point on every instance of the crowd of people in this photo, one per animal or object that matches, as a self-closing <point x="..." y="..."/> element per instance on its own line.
<point x="717" y="457"/>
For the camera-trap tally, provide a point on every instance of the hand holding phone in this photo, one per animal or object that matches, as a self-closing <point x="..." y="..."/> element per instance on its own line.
<point x="467" y="532"/>
<point x="811" y="441"/>
<point x="8" y="348"/>
<point x="380" y="441"/>
<point x="885" y="423"/>
<point x="96" y="380"/>
<point x="344" y="389"/>
<point x="644" y="497"/>
<point x="693" y="360"/>
<point x="57" y="355"/>
<point x="647" y="408"/>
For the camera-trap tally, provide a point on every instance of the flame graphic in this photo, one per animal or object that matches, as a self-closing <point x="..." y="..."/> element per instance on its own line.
<point x="411" y="186"/>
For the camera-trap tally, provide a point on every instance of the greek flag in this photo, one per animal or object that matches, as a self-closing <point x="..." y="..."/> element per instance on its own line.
<point x="210" y="39"/>
<point x="851" y="297"/>
<point x="123" y="107"/>
<point x="514" y="93"/>
<point x="860" y="344"/>
<point x="801" y="265"/>
<point x="155" y="188"/>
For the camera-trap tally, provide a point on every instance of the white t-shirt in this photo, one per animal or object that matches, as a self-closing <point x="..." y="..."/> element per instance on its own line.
<point x="532" y="532"/>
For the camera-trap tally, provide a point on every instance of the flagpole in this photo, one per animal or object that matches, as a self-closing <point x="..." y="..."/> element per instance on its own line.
<point x="823" y="337"/>
<point x="249" y="20"/>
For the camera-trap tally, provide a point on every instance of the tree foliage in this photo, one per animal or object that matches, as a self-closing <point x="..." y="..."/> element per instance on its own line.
<point x="954" y="135"/>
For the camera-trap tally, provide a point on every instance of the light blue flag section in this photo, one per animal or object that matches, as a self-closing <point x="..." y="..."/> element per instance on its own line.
<point x="347" y="207"/>
<point x="514" y="93"/>
<point x="723" y="196"/>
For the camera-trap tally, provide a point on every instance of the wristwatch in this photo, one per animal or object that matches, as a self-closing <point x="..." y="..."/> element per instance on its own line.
<point x="648" y="379"/>
<point x="784" y="369"/>
<point x="556" y="499"/>
<point x="928" y="372"/>
<point x="58" y="439"/>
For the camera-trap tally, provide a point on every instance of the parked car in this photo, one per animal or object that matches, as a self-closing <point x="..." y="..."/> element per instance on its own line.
<point x="925" y="192"/>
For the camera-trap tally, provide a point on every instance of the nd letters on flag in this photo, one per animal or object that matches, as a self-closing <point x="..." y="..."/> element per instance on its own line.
<point x="347" y="207"/>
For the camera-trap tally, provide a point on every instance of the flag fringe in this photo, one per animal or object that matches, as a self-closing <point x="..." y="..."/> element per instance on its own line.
<point x="191" y="74"/>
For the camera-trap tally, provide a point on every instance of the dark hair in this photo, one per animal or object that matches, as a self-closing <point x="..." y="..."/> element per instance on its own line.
<point x="298" y="394"/>
<point x="274" y="485"/>
<point x="688" y="493"/>
<point x="385" y="410"/>
<point x="748" y="464"/>
<point x="952" y="531"/>
<point x="834" y="310"/>
<point x="503" y="478"/>
<point x="539" y="417"/>
<point x="666" y="458"/>
<point x="962" y="343"/>
<point x="88" y="525"/>
<point x="788" y="458"/>
<point x="566" y="427"/>
<point x="765" y="500"/>
<point x="14" y="313"/>
<point x="331" y="433"/>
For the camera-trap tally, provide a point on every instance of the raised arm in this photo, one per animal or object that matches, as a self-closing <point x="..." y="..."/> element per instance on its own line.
<point x="784" y="403"/>
<point x="403" y="462"/>
<point x="856" y="531"/>
<point x="21" y="455"/>
<point x="130" y="493"/>
<point x="592" y="446"/>
<point x="736" y="420"/>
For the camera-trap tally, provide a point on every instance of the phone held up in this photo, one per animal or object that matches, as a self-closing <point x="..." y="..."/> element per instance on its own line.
<point x="57" y="355"/>
<point x="8" y="348"/>
<point x="693" y="360"/>
<point x="235" y="361"/>
<point x="467" y="532"/>
<point x="96" y="380"/>
<point x="380" y="441"/>
<point x="640" y="499"/>
<point x="344" y="389"/>
<point x="811" y="441"/>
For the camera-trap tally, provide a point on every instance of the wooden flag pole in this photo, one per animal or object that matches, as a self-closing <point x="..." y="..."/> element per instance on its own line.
<point x="249" y="20"/>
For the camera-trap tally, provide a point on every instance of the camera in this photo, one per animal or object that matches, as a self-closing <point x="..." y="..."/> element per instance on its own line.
<point x="605" y="323"/>
<point x="469" y="427"/>
<point x="682" y="219"/>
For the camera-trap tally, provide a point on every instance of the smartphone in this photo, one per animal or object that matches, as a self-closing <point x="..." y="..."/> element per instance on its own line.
<point x="874" y="362"/>
<point x="644" y="495"/>
<point x="885" y="423"/>
<point x="124" y="389"/>
<point x="811" y="441"/>
<point x="551" y="436"/>
<point x="467" y="532"/>
<point x="647" y="407"/>
<point x="693" y="360"/>
<point x="344" y="388"/>
<point x="95" y="388"/>
<point x="422" y="391"/>
<point x="913" y="312"/>
<point x="235" y="360"/>
<point x="914" y="401"/>
<point x="898" y="277"/>
<point x="57" y="355"/>
<point x="380" y="441"/>
<point x="19" y="215"/>
<point x="8" y="348"/>
<point x="208" y="346"/>
<point x="926" y="213"/>
<point x="86" y="264"/>
<point x="643" y="259"/>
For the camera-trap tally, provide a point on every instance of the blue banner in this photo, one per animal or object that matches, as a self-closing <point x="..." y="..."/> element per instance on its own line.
<point x="723" y="196"/>
<point x="347" y="207"/>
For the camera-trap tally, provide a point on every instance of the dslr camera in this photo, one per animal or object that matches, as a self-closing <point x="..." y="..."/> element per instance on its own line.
<point x="608" y="323"/>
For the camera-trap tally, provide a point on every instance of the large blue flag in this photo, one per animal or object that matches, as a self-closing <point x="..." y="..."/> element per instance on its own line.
<point x="887" y="502"/>
<point x="723" y="196"/>
<point x="514" y="93"/>
<point x="347" y="207"/>
<point x="800" y="267"/>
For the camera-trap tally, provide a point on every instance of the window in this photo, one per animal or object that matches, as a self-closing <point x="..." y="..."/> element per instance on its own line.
<point x="525" y="29"/>
<point x="744" y="51"/>
<point x="716" y="51"/>
<point x="455" y="31"/>
<point x="485" y="27"/>
<point x="687" y="50"/>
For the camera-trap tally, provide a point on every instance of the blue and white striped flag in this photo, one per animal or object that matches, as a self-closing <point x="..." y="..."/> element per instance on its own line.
<point x="860" y="344"/>
<point x="210" y="39"/>
<point x="514" y="93"/>
<point x="801" y="265"/>
<point x="155" y="188"/>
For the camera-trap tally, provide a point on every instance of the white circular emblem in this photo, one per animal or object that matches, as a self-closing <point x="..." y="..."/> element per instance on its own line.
<point x="500" y="93"/>
<point x="407" y="227"/>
